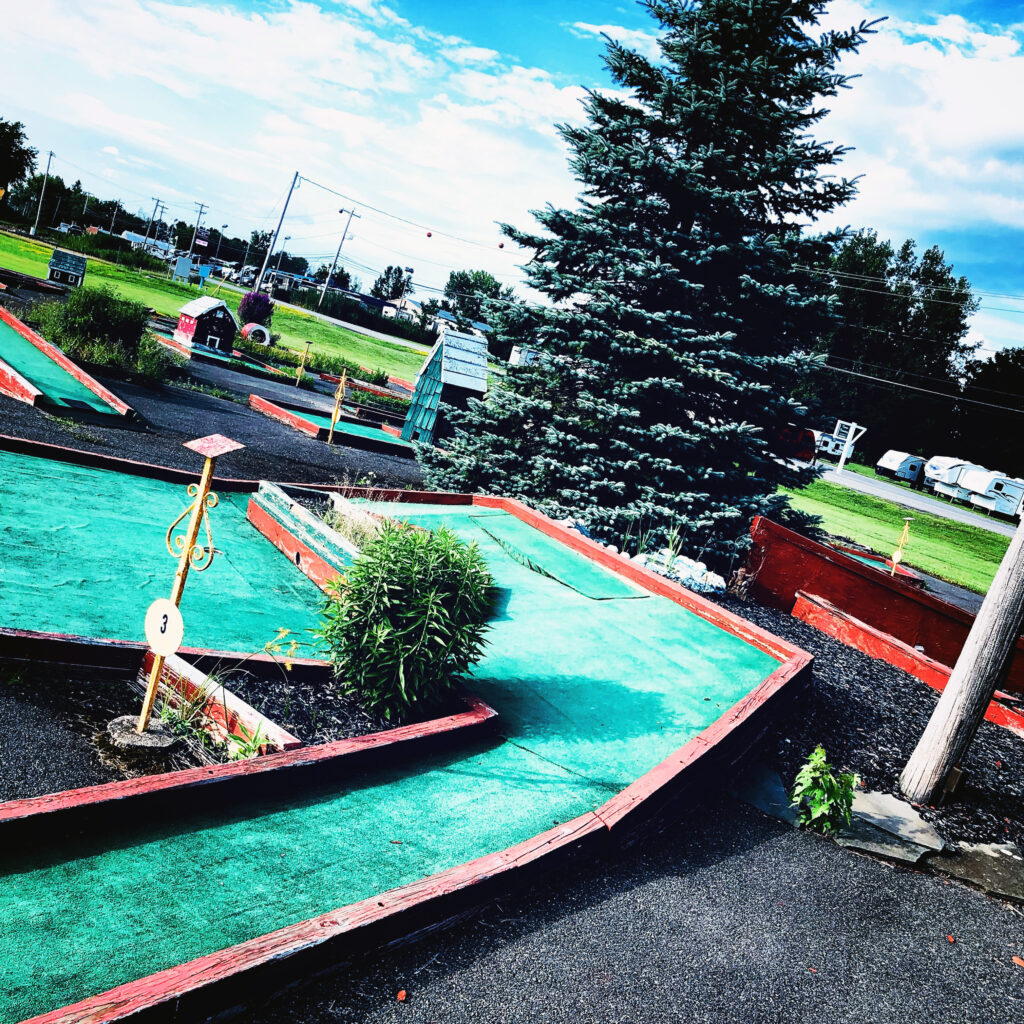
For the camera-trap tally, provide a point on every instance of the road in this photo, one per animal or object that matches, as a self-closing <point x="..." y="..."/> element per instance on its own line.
<point x="916" y="500"/>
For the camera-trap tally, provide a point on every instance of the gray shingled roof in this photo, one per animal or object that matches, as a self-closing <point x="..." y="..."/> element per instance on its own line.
<point x="69" y="262"/>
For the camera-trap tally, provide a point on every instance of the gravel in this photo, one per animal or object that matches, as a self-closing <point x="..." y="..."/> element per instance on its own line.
<point x="727" y="918"/>
<point x="51" y="734"/>
<point x="176" y="415"/>
<point x="869" y="717"/>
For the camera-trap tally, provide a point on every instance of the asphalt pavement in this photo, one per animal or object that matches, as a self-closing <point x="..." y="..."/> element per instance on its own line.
<point x="917" y="500"/>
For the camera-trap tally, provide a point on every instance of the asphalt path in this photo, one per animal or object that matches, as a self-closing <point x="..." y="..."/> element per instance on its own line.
<point x="917" y="500"/>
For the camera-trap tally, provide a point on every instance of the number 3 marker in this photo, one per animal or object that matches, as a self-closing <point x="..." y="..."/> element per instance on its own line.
<point x="164" y="627"/>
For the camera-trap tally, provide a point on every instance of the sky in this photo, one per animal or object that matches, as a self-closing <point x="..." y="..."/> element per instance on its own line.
<point x="443" y="114"/>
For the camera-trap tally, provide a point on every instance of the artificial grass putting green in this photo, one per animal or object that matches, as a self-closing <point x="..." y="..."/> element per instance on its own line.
<point x="59" y="387"/>
<point x="591" y="694"/>
<point x="85" y="553"/>
<point x="357" y="430"/>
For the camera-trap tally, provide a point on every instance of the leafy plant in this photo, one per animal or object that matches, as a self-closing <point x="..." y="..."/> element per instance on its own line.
<point x="409" y="618"/>
<point x="255" y="308"/>
<point x="823" y="800"/>
<point x="247" y="744"/>
<point x="95" y="325"/>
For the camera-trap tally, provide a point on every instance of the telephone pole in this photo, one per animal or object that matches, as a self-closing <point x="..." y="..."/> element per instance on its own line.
<point x="273" y="241"/>
<point x="42" y="191"/>
<point x="195" y="230"/>
<point x="117" y="205"/>
<point x="152" y="217"/>
<point x="979" y="672"/>
<point x="327" y="281"/>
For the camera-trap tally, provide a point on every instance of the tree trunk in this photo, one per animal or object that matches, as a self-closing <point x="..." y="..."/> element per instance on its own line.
<point x="979" y="671"/>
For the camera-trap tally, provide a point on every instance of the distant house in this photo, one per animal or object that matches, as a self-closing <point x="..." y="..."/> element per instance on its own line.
<point x="67" y="268"/>
<point x="454" y="371"/>
<point x="206" y="322"/>
<point x="138" y="241"/>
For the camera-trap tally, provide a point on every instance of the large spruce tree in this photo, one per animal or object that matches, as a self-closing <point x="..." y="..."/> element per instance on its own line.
<point x="678" y="298"/>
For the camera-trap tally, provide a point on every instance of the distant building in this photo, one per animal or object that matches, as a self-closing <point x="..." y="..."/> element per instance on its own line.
<point x="206" y="322"/>
<point x="67" y="268"/>
<point x="149" y="244"/>
<point x="454" y="371"/>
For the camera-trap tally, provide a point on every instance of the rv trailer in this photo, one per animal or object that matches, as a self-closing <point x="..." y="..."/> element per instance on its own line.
<point x="901" y="466"/>
<point x="945" y="475"/>
<point x="997" y="493"/>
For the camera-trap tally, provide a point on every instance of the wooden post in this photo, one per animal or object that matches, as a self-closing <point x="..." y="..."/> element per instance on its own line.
<point x="302" y="364"/>
<point x="979" y="671"/>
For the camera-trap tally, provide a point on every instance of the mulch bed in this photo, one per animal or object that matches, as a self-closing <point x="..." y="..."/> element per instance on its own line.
<point x="317" y="712"/>
<point x="869" y="716"/>
<point x="51" y="734"/>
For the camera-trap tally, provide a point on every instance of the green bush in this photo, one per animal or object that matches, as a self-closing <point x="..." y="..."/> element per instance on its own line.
<point x="823" y="800"/>
<point x="408" y="620"/>
<point x="157" y="362"/>
<point x="395" y="404"/>
<point x="317" y="362"/>
<point x="94" y="325"/>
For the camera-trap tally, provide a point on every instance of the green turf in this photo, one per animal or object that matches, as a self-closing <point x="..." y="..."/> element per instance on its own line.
<point x="357" y="430"/>
<point x="160" y="294"/>
<point x="84" y="553"/>
<point x="59" y="387"/>
<point x="957" y="552"/>
<point x="591" y="694"/>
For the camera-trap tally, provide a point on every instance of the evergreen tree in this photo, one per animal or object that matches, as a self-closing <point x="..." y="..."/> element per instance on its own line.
<point x="902" y="318"/>
<point x="666" y="368"/>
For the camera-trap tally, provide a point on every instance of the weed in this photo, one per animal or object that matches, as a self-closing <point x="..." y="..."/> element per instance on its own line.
<point x="823" y="800"/>
<point x="247" y="744"/>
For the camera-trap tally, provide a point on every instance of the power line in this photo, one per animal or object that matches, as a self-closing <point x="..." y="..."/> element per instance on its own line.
<point x="885" y="280"/>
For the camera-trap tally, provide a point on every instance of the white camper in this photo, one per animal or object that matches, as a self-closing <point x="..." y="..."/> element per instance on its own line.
<point x="995" y="492"/>
<point x="827" y="446"/>
<point x="944" y="474"/>
<point x="901" y="466"/>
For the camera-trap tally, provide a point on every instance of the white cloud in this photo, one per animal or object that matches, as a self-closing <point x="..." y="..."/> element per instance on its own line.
<point x="636" y="39"/>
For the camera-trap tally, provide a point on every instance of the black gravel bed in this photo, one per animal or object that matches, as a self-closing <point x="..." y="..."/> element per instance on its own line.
<point x="51" y="734"/>
<point x="728" y="918"/>
<point x="175" y="415"/>
<point x="317" y="712"/>
<point x="869" y="716"/>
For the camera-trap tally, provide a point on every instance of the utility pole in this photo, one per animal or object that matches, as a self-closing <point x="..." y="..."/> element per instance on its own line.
<point x="195" y="230"/>
<point x="327" y="281"/>
<point x="220" y="238"/>
<point x="266" y="259"/>
<point x="979" y="672"/>
<point x="42" y="191"/>
<point x="152" y="217"/>
<point x="117" y="204"/>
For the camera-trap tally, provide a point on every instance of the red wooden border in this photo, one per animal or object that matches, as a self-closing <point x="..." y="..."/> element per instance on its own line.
<point x="290" y="419"/>
<point x="825" y="616"/>
<point x="390" y="429"/>
<point x="303" y="556"/>
<point x="410" y="387"/>
<point x="109" y="793"/>
<point x="357" y="927"/>
<point x="64" y="363"/>
<point x="782" y="562"/>
<point x="15" y="386"/>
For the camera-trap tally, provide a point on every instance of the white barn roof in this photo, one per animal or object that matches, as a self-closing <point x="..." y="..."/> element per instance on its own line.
<point x="197" y="307"/>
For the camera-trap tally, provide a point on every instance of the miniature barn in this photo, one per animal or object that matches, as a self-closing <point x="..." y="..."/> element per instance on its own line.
<point x="66" y="268"/>
<point x="207" y="322"/>
<point x="454" y="371"/>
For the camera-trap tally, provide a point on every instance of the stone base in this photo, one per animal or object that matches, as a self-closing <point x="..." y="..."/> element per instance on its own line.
<point x="157" y="738"/>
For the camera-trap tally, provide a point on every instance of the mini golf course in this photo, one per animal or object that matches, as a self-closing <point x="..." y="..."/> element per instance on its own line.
<point x="609" y="684"/>
<point x="51" y="378"/>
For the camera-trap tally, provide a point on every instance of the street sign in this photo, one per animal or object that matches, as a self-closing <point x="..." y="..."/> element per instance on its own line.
<point x="849" y="433"/>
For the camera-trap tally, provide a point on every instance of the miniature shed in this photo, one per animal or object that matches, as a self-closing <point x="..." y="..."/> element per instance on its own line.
<point x="207" y="322"/>
<point x="66" y="268"/>
<point x="454" y="371"/>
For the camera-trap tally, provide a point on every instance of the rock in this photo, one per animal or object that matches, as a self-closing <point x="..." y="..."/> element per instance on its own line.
<point x="861" y="835"/>
<point x="156" y="739"/>
<point x="896" y="816"/>
<point x="761" y="787"/>
<point x="998" y="868"/>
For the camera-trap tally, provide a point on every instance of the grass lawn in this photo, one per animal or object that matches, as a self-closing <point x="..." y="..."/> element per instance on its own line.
<point x="962" y="554"/>
<point x="157" y="292"/>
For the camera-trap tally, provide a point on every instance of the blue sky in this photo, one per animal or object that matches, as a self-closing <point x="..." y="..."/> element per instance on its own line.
<point x="443" y="113"/>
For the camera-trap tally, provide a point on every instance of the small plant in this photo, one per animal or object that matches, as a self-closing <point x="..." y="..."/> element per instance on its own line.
<point x="256" y="308"/>
<point x="823" y="800"/>
<point x="409" y="618"/>
<point x="247" y="745"/>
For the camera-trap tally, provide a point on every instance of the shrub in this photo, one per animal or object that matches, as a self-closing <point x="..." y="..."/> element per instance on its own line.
<point x="394" y="404"/>
<point x="408" y="620"/>
<point x="95" y="325"/>
<point x="157" y="362"/>
<point x="823" y="800"/>
<point x="256" y="308"/>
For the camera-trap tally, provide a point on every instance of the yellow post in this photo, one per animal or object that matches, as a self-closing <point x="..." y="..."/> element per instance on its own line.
<point x="192" y="555"/>
<point x="338" y="396"/>
<point x="897" y="555"/>
<point x="302" y="364"/>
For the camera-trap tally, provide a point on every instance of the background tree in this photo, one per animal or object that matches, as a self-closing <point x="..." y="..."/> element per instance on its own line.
<point x="994" y="437"/>
<point x="467" y="290"/>
<point x="394" y="283"/>
<point x="341" y="278"/>
<point x="17" y="157"/>
<point x="904" y="319"/>
<point x="666" y="367"/>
